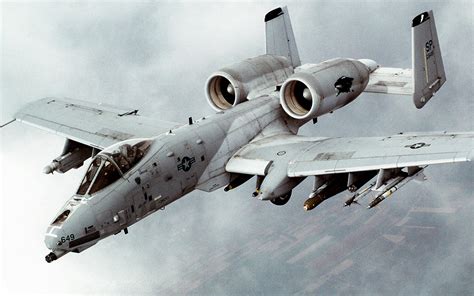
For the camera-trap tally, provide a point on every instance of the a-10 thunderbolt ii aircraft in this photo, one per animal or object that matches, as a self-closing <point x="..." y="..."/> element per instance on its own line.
<point x="141" y="164"/>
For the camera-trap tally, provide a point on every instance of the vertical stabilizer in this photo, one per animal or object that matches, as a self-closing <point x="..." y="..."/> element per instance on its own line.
<point x="428" y="69"/>
<point x="279" y="35"/>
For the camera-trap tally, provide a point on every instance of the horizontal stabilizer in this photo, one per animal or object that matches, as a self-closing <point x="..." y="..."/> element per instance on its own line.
<point x="391" y="81"/>
<point x="427" y="74"/>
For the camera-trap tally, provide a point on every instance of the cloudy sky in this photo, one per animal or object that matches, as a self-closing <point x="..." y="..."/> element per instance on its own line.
<point x="156" y="57"/>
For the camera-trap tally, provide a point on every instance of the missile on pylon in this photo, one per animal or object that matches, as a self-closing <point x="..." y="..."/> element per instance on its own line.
<point x="359" y="195"/>
<point x="385" y="194"/>
<point x="375" y="201"/>
<point x="351" y="200"/>
<point x="388" y="192"/>
<point x="397" y="184"/>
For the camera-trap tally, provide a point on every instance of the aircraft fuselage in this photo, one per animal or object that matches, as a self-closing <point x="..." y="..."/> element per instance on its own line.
<point x="187" y="158"/>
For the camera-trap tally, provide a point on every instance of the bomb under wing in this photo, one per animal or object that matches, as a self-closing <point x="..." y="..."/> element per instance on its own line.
<point x="333" y="186"/>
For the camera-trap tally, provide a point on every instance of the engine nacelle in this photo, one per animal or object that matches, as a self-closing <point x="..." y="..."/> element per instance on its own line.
<point x="319" y="89"/>
<point x="248" y="79"/>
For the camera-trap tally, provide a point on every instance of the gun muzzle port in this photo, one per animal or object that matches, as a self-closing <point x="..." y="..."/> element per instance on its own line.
<point x="51" y="257"/>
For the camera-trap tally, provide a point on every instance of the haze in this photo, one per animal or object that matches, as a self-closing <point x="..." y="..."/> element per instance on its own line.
<point x="156" y="57"/>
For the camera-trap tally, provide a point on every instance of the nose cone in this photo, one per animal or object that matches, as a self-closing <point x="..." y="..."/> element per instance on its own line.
<point x="52" y="238"/>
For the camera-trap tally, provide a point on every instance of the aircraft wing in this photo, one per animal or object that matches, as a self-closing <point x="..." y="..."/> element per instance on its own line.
<point x="322" y="156"/>
<point x="95" y="125"/>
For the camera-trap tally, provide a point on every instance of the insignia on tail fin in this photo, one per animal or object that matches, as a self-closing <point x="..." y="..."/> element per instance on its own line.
<point x="427" y="73"/>
<point x="428" y="69"/>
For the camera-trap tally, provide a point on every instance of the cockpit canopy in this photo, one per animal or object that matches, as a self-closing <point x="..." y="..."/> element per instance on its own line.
<point x="112" y="163"/>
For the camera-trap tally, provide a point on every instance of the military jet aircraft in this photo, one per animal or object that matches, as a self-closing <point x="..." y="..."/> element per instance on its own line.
<point x="141" y="164"/>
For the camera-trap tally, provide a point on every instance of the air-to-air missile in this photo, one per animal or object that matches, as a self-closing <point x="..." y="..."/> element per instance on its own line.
<point x="359" y="195"/>
<point x="398" y="183"/>
<point x="351" y="200"/>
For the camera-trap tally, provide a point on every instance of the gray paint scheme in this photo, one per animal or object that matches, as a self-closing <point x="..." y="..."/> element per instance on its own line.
<point x="280" y="39"/>
<point x="427" y="74"/>
<point x="257" y="129"/>
<point x="96" y="125"/>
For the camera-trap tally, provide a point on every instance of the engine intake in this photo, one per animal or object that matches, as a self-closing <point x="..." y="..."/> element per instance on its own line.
<point x="223" y="91"/>
<point x="246" y="80"/>
<point x="298" y="97"/>
<point x="319" y="89"/>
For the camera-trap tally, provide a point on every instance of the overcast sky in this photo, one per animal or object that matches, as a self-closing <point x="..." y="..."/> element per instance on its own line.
<point x="156" y="57"/>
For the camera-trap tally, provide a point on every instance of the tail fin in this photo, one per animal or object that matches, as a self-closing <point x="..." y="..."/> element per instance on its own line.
<point x="427" y="63"/>
<point x="279" y="35"/>
<point x="427" y="74"/>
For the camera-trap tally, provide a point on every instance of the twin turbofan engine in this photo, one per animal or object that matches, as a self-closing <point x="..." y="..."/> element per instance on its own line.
<point x="248" y="79"/>
<point x="306" y="92"/>
<point x="319" y="89"/>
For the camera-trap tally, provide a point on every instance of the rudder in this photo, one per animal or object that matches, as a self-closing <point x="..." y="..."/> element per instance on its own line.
<point x="428" y="69"/>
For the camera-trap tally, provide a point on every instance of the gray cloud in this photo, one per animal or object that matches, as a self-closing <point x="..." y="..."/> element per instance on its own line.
<point x="156" y="57"/>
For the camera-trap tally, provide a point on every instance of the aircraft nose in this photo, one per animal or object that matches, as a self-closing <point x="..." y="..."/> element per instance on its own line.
<point x="52" y="240"/>
<point x="53" y="237"/>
